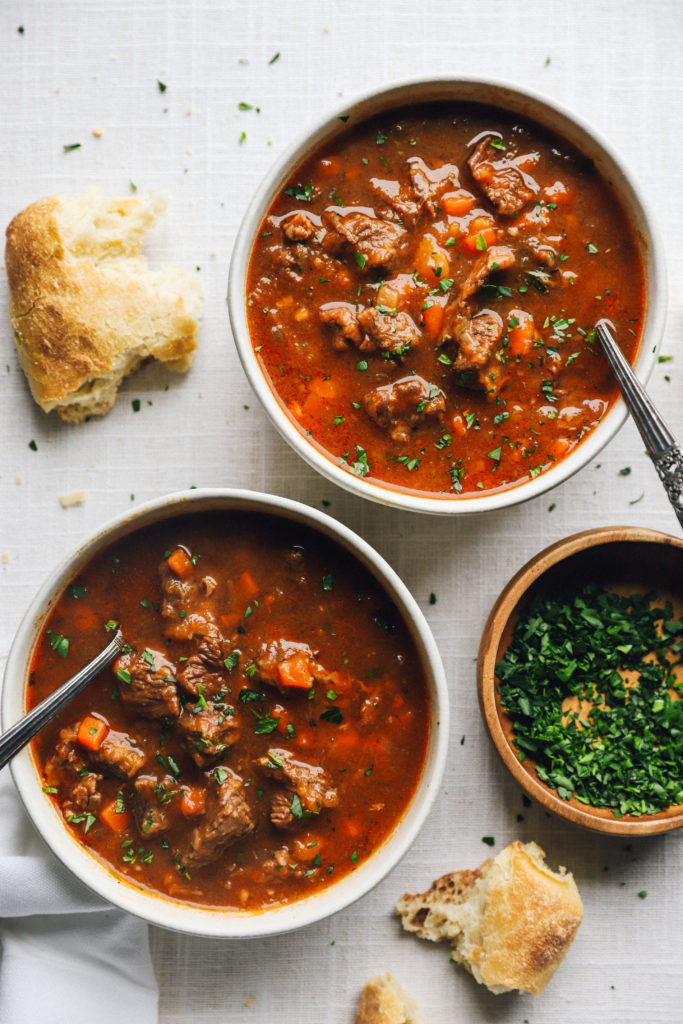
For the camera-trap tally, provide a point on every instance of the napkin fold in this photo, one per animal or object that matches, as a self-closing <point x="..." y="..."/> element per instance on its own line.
<point x="66" y="955"/>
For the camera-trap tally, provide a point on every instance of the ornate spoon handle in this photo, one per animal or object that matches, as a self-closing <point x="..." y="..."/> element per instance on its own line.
<point x="661" y="444"/>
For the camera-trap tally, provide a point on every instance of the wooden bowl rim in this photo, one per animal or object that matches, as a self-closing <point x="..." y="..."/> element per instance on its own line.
<point x="496" y="622"/>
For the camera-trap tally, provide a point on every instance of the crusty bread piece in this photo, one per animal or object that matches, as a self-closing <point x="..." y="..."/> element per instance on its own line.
<point x="383" y="1001"/>
<point x="84" y="306"/>
<point x="510" y="922"/>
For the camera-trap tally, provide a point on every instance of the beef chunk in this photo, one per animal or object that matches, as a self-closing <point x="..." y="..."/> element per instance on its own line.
<point x="273" y="652"/>
<point x="206" y="668"/>
<point x="151" y="799"/>
<point x="189" y="597"/>
<point x="227" y="818"/>
<point x="475" y="362"/>
<point x="84" y="793"/>
<point x="399" y="406"/>
<point x="390" y="333"/>
<point x="502" y="180"/>
<point x="213" y="649"/>
<point x="67" y="771"/>
<point x="309" y="782"/>
<point x="342" y="317"/>
<point x="377" y="240"/>
<point x="151" y="691"/>
<point x="208" y="730"/>
<point x="430" y="184"/>
<point x="498" y="257"/>
<point x="426" y="187"/>
<point x="298" y="227"/>
<point x="118" y="755"/>
<point x="195" y="674"/>
<point x="540" y="248"/>
<point x="281" y="814"/>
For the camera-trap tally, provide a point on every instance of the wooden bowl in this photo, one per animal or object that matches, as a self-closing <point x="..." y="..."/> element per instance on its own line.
<point x="625" y="558"/>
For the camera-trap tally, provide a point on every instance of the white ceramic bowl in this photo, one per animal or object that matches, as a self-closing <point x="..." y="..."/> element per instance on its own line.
<point x="166" y="912"/>
<point x="519" y="101"/>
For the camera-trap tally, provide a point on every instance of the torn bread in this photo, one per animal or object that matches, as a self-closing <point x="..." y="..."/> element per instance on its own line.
<point x="85" y="308"/>
<point x="510" y="922"/>
<point x="383" y="1001"/>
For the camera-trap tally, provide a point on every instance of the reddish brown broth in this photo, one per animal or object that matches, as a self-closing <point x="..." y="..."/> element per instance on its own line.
<point x="366" y="724"/>
<point x="544" y="387"/>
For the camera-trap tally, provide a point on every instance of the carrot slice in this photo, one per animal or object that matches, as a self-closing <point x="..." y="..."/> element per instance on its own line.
<point x="480" y="241"/>
<point x="192" y="801"/>
<point x="433" y="318"/>
<point x="91" y="732"/>
<point x="117" y="821"/>
<point x="523" y="334"/>
<point x="457" y="204"/>
<point x="248" y="584"/>
<point x="179" y="562"/>
<point x="295" y="672"/>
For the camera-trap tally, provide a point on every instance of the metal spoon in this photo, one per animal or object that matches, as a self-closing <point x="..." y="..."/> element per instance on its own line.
<point x="661" y="444"/>
<point x="17" y="736"/>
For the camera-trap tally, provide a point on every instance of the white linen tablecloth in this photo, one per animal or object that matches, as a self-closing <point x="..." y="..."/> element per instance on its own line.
<point x="94" y="65"/>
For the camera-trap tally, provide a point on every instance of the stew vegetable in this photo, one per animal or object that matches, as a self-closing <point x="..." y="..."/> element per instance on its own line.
<point x="264" y="730"/>
<point x="422" y="295"/>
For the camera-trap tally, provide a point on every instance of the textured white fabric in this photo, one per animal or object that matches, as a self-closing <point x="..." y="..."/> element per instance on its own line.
<point x="94" y="64"/>
<point x="65" y="954"/>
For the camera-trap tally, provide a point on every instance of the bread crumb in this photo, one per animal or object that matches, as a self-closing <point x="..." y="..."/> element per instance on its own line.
<point x="250" y="1001"/>
<point x="75" y="498"/>
<point x="18" y="480"/>
<point x="188" y="110"/>
<point x="5" y="558"/>
<point x="97" y="132"/>
<point x="213" y="254"/>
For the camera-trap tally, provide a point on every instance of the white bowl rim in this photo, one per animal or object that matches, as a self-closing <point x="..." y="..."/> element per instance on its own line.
<point x="190" y="918"/>
<point x="286" y="163"/>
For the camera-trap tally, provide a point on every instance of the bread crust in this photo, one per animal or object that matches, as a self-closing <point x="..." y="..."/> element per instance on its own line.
<point x="84" y="320"/>
<point x="383" y="1001"/>
<point x="510" y="922"/>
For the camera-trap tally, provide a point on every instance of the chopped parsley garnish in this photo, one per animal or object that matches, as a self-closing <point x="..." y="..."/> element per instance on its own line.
<point x="59" y="643"/>
<point x="231" y="661"/>
<point x="75" y="591"/>
<point x="162" y="86"/>
<point x="247" y="695"/>
<point x="71" y="146"/>
<point x="333" y="715"/>
<point x="360" y="466"/>
<point x="564" y="681"/>
<point x="489" y="840"/>
<point x="328" y="582"/>
<point x="303" y="194"/>
<point x="264" y="726"/>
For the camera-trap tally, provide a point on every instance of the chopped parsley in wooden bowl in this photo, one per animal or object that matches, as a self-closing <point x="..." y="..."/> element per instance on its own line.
<point x="580" y="679"/>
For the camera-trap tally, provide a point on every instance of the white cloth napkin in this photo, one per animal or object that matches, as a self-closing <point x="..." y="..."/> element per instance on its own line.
<point x="66" y="955"/>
